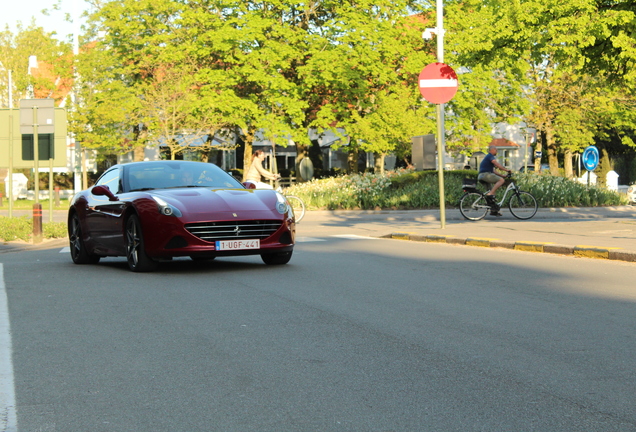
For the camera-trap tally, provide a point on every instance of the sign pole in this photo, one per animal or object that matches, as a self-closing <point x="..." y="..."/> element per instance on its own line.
<point x="36" y="154"/>
<point x="10" y="144"/>
<point x="10" y="160"/>
<point x="50" y="190"/>
<point x="440" y="119"/>
<point x="440" y="164"/>
<point x="438" y="84"/>
<point x="37" y="207"/>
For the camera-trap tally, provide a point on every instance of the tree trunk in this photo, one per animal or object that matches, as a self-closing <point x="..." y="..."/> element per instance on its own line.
<point x="352" y="161"/>
<point x="567" y="164"/>
<point x="552" y="151"/>
<point x="138" y="154"/>
<point x="378" y="161"/>
<point x="301" y="153"/>
<point x="247" y="155"/>
<point x="604" y="166"/>
<point x="537" y="149"/>
<point x="140" y="134"/>
<point x="204" y="156"/>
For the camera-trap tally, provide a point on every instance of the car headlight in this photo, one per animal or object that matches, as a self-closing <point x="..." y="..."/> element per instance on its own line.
<point x="167" y="209"/>
<point x="281" y="203"/>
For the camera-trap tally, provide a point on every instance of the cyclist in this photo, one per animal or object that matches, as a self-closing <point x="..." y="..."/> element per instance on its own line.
<point x="257" y="171"/>
<point x="488" y="174"/>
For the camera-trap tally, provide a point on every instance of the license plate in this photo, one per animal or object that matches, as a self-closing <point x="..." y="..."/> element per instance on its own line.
<point x="238" y="244"/>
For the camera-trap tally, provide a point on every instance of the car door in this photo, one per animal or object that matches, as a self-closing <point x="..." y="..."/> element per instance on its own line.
<point x="104" y="217"/>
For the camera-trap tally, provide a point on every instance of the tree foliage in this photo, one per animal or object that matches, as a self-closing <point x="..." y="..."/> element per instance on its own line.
<point x="180" y="71"/>
<point x="15" y="50"/>
<point x="276" y="67"/>
<point x="569" y="60"/>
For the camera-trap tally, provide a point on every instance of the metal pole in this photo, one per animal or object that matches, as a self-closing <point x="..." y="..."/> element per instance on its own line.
<point x="10" y="146"/>
<point x="50" y="190"/>
<point x="525" y="156"/>
<point x="36" y="154"/>
<point x="37" y="207"/>
<point x="440" y="164"/>
<point x="11" y="163"/>
<point x="440" y="119"/>
<point x="440" y="31"/>
<point x="84" y="173"/>
<point x="77" y="170"/>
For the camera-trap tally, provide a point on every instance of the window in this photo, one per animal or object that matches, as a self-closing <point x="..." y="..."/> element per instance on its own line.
<point x="111" y="179"/>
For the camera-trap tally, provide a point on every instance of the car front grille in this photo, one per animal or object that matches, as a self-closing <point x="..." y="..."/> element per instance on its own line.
<point x="231" y="230"/>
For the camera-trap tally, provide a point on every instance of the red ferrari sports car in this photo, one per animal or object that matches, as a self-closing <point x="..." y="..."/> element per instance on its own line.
<point x="153" y="211"/>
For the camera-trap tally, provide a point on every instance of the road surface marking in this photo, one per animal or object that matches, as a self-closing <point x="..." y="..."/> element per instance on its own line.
<point x="8" y="418"/>
<point x="308" y="239"/>
<point x="354" y="237"/>
<point x="65" y="250"/>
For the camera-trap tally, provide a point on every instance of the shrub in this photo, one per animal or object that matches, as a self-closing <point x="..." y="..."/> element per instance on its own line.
<point x="21" y="228"/>
<point x="420" y="190"/>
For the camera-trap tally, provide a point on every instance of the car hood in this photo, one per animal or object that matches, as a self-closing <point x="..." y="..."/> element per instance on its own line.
<point x="206" y="204"/>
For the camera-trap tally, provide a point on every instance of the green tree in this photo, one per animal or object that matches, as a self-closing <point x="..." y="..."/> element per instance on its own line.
<point x="367" y="77"/>
<point x="15" y="50"/>
<point x="547" y="48"/>
<point x="173" y="112"/>
<point x="103" y="114"/>
<point x="399" y="116"/>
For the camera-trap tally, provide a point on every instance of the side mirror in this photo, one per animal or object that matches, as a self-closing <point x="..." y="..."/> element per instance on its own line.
<point x="104" y="191"/>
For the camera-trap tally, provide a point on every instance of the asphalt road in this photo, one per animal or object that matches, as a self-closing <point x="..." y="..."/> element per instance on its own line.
<point x="355" y="334"/>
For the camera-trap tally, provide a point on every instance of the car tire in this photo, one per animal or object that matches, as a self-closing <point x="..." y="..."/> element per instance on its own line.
<point x="79" y="253"/>
<point x="277" y="258"/>
<point x="136" y="256"/>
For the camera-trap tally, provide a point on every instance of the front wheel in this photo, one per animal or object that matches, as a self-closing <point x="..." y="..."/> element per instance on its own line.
<point x="136" y="256"/>
<point x="473" y="206"/>
<point x="522" y="205"/>
<point x="298" y="207"/>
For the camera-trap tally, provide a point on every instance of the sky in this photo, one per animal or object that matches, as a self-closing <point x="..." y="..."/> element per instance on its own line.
<point x="24" y="10"/>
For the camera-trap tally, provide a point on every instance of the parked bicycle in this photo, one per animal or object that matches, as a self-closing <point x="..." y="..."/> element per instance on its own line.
<point x="473" y="205"/>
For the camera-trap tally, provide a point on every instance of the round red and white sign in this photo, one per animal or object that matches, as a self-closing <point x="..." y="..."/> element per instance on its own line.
<point x="438" y="83"/>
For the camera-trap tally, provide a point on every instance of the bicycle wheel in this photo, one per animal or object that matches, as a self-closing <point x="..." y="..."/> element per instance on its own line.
<point x="522" y="205"/>
<point x="473" y="206"/>
<point x="298" y="207"/>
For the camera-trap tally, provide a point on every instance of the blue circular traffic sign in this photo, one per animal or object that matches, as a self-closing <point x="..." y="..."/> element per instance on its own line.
<point x="590" y="158"/>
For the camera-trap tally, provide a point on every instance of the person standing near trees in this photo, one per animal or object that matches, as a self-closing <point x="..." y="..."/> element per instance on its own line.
<point x="256" y="171"/>
<point x="487" y="173"/>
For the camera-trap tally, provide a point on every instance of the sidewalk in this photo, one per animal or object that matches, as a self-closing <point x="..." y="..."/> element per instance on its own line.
<point x="598" y="232"/>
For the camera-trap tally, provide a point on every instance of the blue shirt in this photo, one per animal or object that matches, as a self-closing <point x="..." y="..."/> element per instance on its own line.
<point x="486" y="165"/>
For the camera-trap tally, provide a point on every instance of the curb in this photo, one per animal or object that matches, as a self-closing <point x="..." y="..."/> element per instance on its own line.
<point x="608" y="253"/>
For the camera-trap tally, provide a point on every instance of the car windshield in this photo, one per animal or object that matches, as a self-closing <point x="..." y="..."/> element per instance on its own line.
<point x="173" y="174"/>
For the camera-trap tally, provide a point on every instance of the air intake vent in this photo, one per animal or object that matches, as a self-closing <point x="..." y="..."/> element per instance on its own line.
<point x="229" y="230"/>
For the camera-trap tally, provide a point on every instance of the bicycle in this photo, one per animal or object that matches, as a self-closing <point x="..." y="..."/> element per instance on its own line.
<point x="297" y="205"/>
<point x="473" y="205"/>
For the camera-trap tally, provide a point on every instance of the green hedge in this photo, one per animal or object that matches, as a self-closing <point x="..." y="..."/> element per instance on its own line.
<point x="21" y="228"/>
<point x="420" y="190"/>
